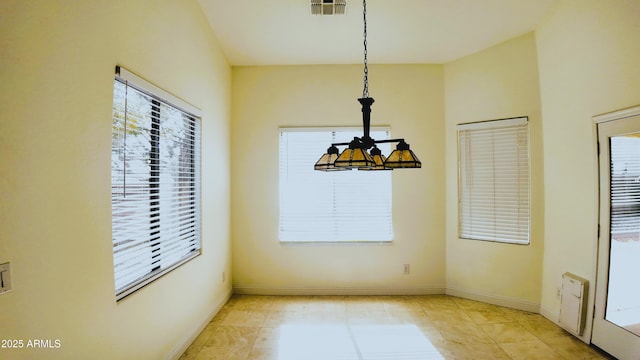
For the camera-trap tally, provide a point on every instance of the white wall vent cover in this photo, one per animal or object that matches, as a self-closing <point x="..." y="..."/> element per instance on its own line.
<point x="573" y="307"/>
<point x="328" y="7"/>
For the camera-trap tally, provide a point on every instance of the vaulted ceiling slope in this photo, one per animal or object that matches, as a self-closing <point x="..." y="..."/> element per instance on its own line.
<point x="283" y="32"/>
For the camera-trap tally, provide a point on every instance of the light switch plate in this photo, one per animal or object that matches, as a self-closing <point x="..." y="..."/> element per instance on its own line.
<point x="5" y="277"/>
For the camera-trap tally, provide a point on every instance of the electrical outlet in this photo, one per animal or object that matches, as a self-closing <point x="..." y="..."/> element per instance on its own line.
<point x="5" y="278"/>
<point x="558" y="293"/>
<point x="224" y="277"/>
<point x="407" y="269"/>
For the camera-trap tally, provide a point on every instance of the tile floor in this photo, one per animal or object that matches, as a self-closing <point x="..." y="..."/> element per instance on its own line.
<point x="380" y="328"/>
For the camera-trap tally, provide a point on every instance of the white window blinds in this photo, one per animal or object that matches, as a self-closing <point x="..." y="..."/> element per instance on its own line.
<point x="625" y="187"/>
<point x="493" y="184"/>
<point x="155" y="183"/>
<point x="331" y="206"/>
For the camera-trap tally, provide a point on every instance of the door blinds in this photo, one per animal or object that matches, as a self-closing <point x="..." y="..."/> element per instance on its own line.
<point x="625" y="187"/>
<point x="155" y="184"/>
<point x="493" y="184"/>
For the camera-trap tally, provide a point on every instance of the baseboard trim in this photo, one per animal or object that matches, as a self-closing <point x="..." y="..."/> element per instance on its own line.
<point x="275" y="290"/>
<point x="190" y="338"/>
<point x="552" y="316"/>
<point x="495" y="300"/>
<point x="421" y="290"/>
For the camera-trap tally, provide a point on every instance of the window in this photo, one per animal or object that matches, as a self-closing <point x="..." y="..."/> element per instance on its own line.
<point x="493" y="184"/>
<point x="155" y="182"/>
<point x="331" y="206"/>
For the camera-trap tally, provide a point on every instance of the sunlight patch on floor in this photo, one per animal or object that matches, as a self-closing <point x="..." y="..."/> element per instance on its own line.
<point x="375" y="342"/>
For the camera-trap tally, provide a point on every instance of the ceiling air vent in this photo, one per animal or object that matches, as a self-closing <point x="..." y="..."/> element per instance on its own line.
<point x="328" y="7"/>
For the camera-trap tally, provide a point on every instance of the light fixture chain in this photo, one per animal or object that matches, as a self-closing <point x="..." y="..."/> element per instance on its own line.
<point x="365" y="90"/>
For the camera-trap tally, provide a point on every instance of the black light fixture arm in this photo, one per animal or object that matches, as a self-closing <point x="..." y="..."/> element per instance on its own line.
<point x="373" y="142"/>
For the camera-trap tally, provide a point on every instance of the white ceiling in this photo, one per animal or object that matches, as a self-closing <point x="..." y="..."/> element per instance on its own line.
<point x="283" y="32"/>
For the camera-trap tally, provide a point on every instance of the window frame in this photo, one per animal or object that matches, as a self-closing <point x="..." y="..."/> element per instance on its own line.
<point x="465" y="209"/>
<point x="187" y="228"/>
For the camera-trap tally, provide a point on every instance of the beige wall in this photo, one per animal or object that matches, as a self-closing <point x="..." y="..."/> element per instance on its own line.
<point x="588" y="56"/>
<point x="57" y="67"/>
<point x="499" y="82"/>
<point x="409" y="98"/>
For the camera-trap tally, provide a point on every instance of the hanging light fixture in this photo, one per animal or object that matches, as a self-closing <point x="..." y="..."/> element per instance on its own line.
<point x="357" y="155"/>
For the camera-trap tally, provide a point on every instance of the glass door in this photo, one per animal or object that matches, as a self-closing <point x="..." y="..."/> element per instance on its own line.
<point x="616" y="325"/>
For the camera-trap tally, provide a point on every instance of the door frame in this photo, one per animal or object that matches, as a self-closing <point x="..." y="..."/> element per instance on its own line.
<point x="601" y="280"/>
